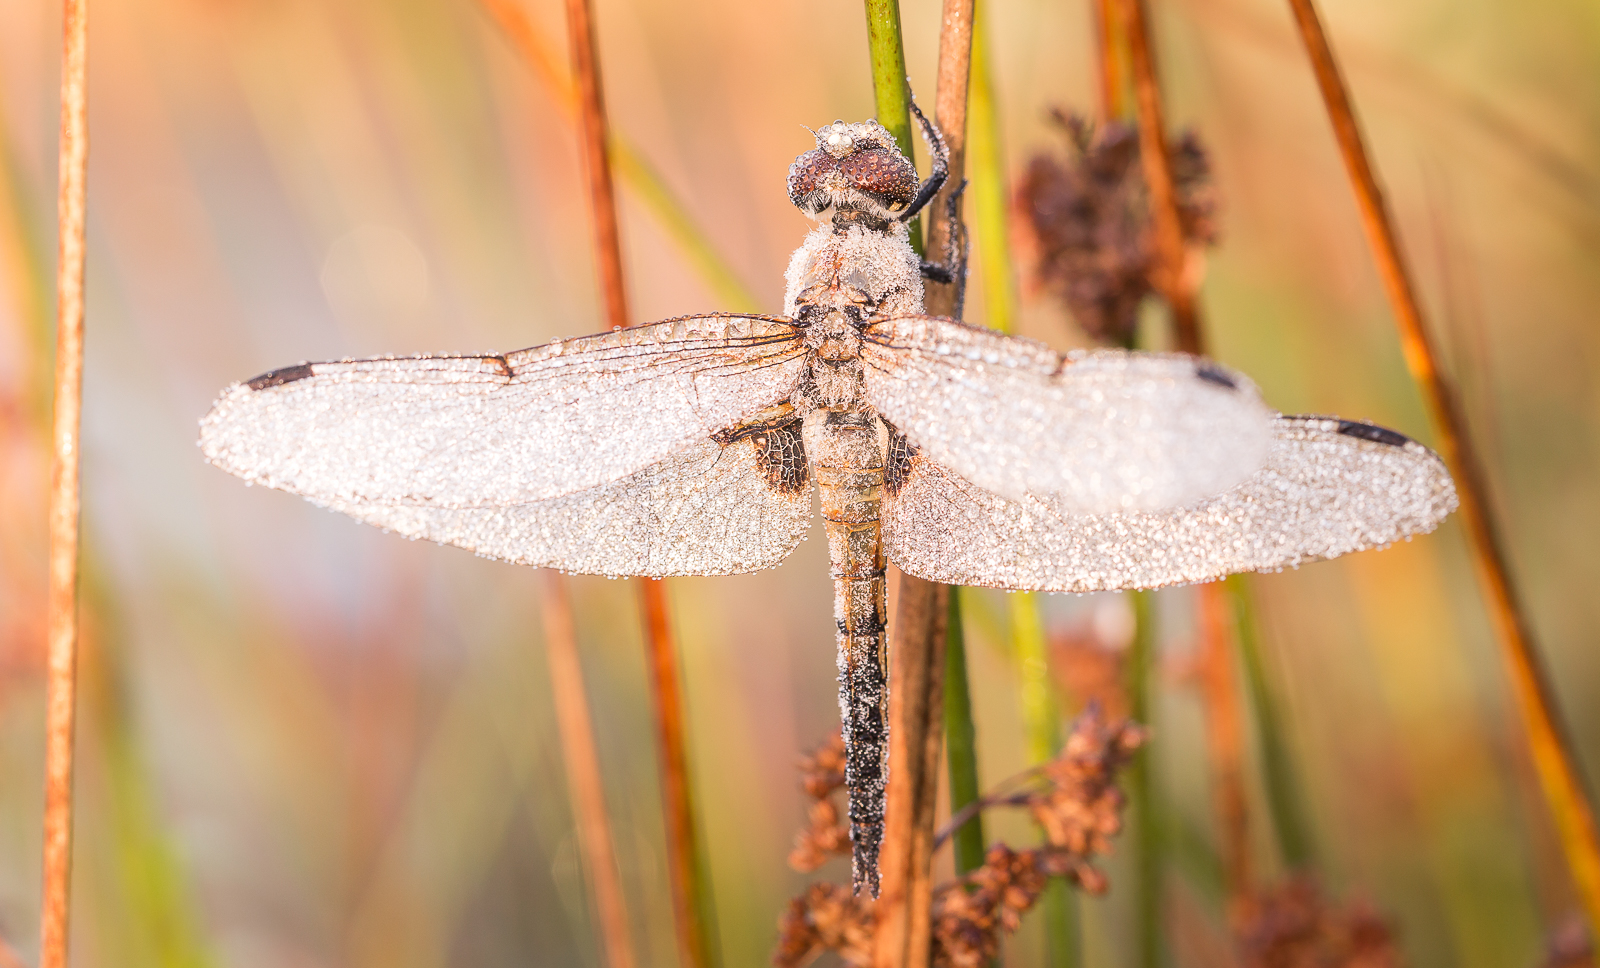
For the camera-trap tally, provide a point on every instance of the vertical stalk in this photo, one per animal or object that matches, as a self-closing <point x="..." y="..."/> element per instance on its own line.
<point x="684" y="863"/>
<point x="1041" y="717"/>
<point x="1171" y="277"/>
<point x="891" y="92"/>
<point x="917" y="637"/>
<point x="961" y="741"/>
<point x="1108" y="63"/>
<point x="1284" y="799"/>
<point x="596" y="164"/>
<point x="693" y="909"/>
<point x="1141" y="790"/>
<point x="1550" y="745"/>
<point x="62" y="602"/>
<point x="1224" y="738"/>
<point x="518" y="28"/>
<point x="1041" y="726"/>
<point x="584" y="784"/>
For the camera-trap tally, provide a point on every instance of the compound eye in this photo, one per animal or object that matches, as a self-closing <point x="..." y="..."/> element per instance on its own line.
<point x="881" y="174"/>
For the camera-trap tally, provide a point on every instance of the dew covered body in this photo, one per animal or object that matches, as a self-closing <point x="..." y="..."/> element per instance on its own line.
<point x="691" y="447"/>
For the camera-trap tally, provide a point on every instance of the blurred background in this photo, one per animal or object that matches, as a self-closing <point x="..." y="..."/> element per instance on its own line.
<point x="308" y="743"/>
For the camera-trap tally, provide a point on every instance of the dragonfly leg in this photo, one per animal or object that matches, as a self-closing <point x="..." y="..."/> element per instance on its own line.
<point x="941" y="166"/>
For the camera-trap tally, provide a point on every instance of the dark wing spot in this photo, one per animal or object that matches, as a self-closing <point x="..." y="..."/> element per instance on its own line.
<point x="278" y="378"/>
<point x="1212" y="373"/>
<point x="1373" y="432"/>
<point x="897" y="466"/>
<point x="780" y="453"/>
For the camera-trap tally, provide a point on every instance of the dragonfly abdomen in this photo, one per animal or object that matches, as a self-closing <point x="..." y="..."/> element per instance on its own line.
<point x="847" y="463"/>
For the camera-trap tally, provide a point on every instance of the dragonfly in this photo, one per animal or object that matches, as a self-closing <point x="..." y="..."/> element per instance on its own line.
<point x="692" y="446"/>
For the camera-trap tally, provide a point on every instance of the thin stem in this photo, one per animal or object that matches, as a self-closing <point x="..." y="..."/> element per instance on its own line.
<point x="1141" y="789"/>
<point x="991" y="209"/>
<point x="1172" y="278"/>
<point x="917" y="638"/>
<point x="916" y="702"/>
<point x="1284" y="799"/>
<point x="961" y="743"/>
<point x="686" y="865"/>
<point x="1224" y="737"/>
<point x="1108" y="61"/>
<point x="1041" y="726"/>
<point x="891" y="92"/>
<point x="1551" y="747"/>
<point x="582" y="762"/>
<point x="690" y="896"/>
<point x="62" y="602"/>
<point x="629" y="164"/>
<point x="596" y="164"/>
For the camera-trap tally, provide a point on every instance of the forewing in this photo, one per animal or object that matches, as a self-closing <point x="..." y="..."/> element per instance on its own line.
<point x="1329" y="487"/>
<point x="713" y="509"/>
<point x="497" y="431"/>
<point x="1094" y="432"/>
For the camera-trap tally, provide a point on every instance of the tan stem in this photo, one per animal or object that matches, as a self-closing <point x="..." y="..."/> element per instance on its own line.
<point x="62" y="600"/>
<point x="1551" y="748"/>
<point x="582" y="760"/>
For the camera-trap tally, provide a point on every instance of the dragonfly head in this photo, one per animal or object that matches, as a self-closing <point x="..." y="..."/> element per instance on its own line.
<point x="856" y="171"/>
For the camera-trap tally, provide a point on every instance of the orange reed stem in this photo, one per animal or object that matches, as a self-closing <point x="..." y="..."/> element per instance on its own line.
<point x="685" y="868"/>
<point x="62" y="602"/>
<point x="917" y="635"/>
<point x="597" y="165"/>
<point x="689" y="896"/>
<point x="1552" y="754"/>
<point x="1108" y="74"/>
<point x="1224" y="736"/>
<point x="1172" y="276"/>
<point x="582" y="760"/>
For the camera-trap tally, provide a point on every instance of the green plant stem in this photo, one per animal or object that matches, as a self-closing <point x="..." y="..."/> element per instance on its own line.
<point x="1041" y="724"/>
<point x="1285" y="799"/>
<point x="891" y="93"/>
<point x="1141" y="790"/>
<point x="961" y="742"/>
<point x="987" y="188"/>
<point x="1041" y="716"/>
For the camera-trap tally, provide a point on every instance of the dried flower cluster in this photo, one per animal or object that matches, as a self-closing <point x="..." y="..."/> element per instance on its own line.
<point x="1293" y="926"/>
<point x="1075" y="801"/>
<point x="826" y="834"/>
<point x="1089" y="214"/>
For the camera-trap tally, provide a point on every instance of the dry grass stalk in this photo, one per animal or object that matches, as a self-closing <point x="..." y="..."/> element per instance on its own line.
<point x="62" y="601"/>
<point x="1224" y="737"/>
<point x="1178" y="273"/>
<point x="1073" y="798"/>
<point x="685" y="866"/>
<point x="1108" y="65"/>
<point x="917" y="637"/>
<point x="596" y="164"/>
<point x="683" y="861"/>
<point x="1550" y="745"/>
<point x="582" y="761"/>
<point x="916" y="733"/>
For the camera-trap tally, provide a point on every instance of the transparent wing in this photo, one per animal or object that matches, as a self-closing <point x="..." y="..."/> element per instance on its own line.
<point x="494" y="431"/>
<point x="1094" y="432"/>
<point x="1329" y="487"/>
<point x="711" y="510"/>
